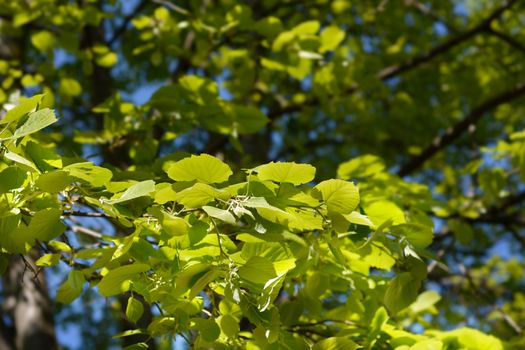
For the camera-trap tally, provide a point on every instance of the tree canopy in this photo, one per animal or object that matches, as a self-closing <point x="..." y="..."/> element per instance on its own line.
<point x="262" y="174"/>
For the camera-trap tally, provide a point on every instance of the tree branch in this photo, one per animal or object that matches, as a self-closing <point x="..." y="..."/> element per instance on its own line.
<point x="392" y="71"/>
<point x="413" y="62"/>
<point x="508" y="39"/>
<point x="455" y="131"/>
<point x="120" y="30"/>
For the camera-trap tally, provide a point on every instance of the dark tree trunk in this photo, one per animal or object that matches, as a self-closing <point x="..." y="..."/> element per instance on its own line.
<point x="28" y="306"/>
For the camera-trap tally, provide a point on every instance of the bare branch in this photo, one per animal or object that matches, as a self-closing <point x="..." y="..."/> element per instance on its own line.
<point x="120" y="30"/>
<point x="173" y="7"/>
<point x="413" y="62"/>
<point x="86" y="231"/>
<point x="84" y="214"/>
<point x="508" y="39"/>
<point x="455" y="131"/>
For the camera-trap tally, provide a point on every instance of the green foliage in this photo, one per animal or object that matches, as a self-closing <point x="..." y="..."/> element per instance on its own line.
<point x="321" y="175"/>
<point x="243" y="242"/>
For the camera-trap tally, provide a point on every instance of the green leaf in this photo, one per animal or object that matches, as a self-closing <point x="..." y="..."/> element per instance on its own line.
<point x="76" y="279"/>
<point x="203" y="168"/>
<point x="360" y="167"/>
<point x="469" y="338"/>
<point x="331" y="37"/>
<point x="401" y="292"/>
<point x="26" y="105"/>
<point x="60" y="246"/>
<point x="220" y="214"/>
<point x="11" y="178"/>
<point x="199" y="195"/>
<point x="197" y="232"/>
<point x="118" y="280"/>
<point x="137" y="346"/>
<point x="291" y="172"/>
<point x="43" y="40"/>
<point x="189" y="276"/>
<point x="46" y="224"/>
<point x="340" y="196"/>
<point x="27" y="164"/>
<point x="229" y="325"/>
<point x="90" y="173"/>
<point x="134" y="309"/>
<point x="202" y="282"/>
<point x="164" y="193"/>
<point x="48" y="260"/>
<point x="378" y="322"/>
<point x="66" y="294"/>
<point x="425" y="300"/>
<point x="35" y="122"/>
<point x="257" y="270"/>
<point x="173" y="225"/>
<point x="247" y="119"/>
<point x="208" y="329"/>
<point x="381" y="211"/>
<point x="335" y="343"/>
<point x="308" y="27"/>
<point x="70" y="87"/>
<point x="140" y="189"/>
<point x="54" y="182"/>
<point x="420" y="236"/>
<point x="358" y="219"/>
<point x="45" y="158"/>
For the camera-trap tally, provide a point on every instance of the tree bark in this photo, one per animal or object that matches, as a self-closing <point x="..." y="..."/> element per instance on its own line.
<point x="28" y="305"/>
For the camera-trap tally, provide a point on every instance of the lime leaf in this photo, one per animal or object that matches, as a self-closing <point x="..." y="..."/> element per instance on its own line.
<point x="45" y="158"/>
<point x="381" y="211"/>
<point x="25" y="106"/>
<point x="48" y="260"/>
<point x="134" y="309"/>
<point x="70" y="87"/>
<point x="43" y="40"/>
<point x="340" y="196"/>
<point x="53" y="182"/>
<point x="11" y="178"/>
<point x="291" y="172"/>
<point x="36" y="121"/>
<point x="76" y="279"/>
<point x="90" y="173"/>
<point x="199" y="195"/>
<point x="220" y="214"/>
<point x="118" y="280"/>
<point x="335" y="343"/>
<point x="377" y="324"/>
<point x="258" y="270"/>
<point x="358" y="219"/>
<point x="364" y="166"/>
<point x="308" y="27"/>
<point x="331" y="37"/>
<point x="425" y="300"/>
<point x="202" y="282"/>
<point x="420" y="236"/>
<point x="66" y="294"/>
<point x="401" y="292"/>
<point x="203" y="168"/>
<point x="208" y="328"/>
<point x="46" y="224"/>
<point x="229" y="325"/>
<point x="137" y="190"/>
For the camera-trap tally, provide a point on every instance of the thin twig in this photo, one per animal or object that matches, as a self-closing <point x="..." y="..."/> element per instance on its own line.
<point x="173" y="7"/>
<point x="86" y="231"/>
